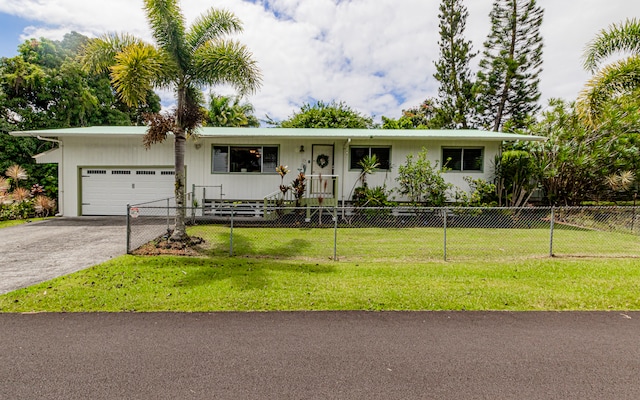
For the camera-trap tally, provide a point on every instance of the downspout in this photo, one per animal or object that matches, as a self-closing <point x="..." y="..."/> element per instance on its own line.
<point x="60" y="173"/>
<point x="345" y="160"/>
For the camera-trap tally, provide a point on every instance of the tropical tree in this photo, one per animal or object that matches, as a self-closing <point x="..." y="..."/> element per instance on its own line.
<point x="575" y="163"/>
<point x="323" y="115"/>
<point x="507" y="82"/>
<point x="228" y="111"/>
<point x="452" y="68"/>
<point x="618" y="79"/>
<point x="425" y="116"/>
<point x="186" y="60"/>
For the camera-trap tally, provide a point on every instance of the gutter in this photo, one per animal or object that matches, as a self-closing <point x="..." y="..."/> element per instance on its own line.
<point x="60" y="173"/>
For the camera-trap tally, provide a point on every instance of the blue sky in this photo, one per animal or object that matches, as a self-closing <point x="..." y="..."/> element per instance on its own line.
<point x="11" y="28"/>
<point x="375" y="55"/>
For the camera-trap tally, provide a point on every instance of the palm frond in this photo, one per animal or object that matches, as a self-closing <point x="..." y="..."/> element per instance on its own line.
<point x="99" y="54"/>
<point x="168" y="29"/>
<point x="618" y="37"/>
<point x="227" y="62"/>
<point x="612" y="81"/>
<point x="211" y="26"/>
<point x="137" y="69"/>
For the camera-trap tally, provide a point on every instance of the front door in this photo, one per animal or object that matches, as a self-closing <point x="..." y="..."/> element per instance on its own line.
<point x="322" y="169"/>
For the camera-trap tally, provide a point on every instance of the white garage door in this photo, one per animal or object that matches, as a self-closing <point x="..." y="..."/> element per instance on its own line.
<point x="107" y="191"/>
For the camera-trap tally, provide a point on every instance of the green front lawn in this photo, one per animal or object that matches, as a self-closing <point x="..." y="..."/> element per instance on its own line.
<point x="168" y="283"/>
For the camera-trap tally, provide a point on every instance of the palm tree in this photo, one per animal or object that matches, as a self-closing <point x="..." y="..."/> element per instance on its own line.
<point x="228" y="111"/>
<point x="614" y="80"/>
<point x="185" y="60"/>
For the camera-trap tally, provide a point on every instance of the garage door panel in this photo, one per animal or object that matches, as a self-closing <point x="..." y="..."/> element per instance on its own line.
<point x="107" y="191"/>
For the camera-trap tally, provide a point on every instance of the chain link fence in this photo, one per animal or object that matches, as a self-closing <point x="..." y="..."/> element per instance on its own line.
<point x="395" y="234"/>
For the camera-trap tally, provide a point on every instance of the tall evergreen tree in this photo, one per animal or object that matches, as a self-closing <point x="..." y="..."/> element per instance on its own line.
<point x="507" y="83"/>
<point x="452" y="69"/>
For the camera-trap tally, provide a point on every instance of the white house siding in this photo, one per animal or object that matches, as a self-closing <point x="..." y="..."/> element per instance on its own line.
<point x="113" y="151"/>
<point x="256" y="186"/>
<point x="124" y="151"/>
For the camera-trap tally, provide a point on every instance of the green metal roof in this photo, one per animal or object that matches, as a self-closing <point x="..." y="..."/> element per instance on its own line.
<point x="397" y="134"/>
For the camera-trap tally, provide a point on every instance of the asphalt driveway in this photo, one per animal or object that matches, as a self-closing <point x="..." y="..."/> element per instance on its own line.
<point x="38" y="251"/>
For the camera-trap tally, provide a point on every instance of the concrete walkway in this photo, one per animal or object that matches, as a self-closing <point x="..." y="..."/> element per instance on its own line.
<point x="38" y="251"/>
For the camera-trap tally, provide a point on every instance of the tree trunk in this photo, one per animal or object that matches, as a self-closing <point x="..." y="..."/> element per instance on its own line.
<point x="179" y="148"/>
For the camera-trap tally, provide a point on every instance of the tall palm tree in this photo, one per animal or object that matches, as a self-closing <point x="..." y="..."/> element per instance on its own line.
<point x="185" y="60"/>
<point x="614" y="80"/>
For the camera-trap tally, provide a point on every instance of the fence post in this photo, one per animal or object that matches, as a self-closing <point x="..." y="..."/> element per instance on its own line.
<point x="444" y="214"/>
<point x="168" y="223"/>
<point x="231" y="232"/>
<point x="553" y="208"/>
<point x="128" y="229"/>
<point x="335" y="233"/>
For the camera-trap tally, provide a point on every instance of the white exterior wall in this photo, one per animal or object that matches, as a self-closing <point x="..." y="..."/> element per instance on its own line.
<point x="127" y="151"/>
<point x="82" y="152"/>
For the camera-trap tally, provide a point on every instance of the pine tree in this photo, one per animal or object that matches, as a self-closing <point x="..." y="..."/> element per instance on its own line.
<point x="452" y="69"/>
<point x="507" y="83"/>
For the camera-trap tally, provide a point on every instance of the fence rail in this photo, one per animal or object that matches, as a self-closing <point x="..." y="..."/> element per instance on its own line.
<point x="401" y="233"/>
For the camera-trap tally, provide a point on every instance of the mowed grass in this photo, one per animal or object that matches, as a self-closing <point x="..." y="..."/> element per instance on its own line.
<point x="378" y="269"/>
<point x="170" y="283"/>
<point x="416" y="244"/>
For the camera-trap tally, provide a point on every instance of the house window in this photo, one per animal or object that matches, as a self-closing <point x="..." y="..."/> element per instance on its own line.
<point x="257" y="159"/>
<point x="383" y="154"/>
<point x="462" y="159"/>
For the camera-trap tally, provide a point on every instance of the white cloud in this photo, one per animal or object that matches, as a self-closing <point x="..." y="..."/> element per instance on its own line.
<point x="377" y="56"/>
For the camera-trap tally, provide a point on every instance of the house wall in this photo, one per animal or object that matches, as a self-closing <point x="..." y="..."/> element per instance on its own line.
<point x="81" y="152"/>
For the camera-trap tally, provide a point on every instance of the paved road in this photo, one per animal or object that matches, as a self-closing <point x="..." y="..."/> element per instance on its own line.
<point x="321" y="355"/>
<point x="39" y="251"/>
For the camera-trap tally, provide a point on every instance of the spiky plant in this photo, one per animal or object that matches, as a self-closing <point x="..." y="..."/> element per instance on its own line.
<point x="621" y="182"/>
<point x="16" y="173"/>
<point x="43" y="205"/>
<point x="4" y="185"/>
<point x="20" y="194"/>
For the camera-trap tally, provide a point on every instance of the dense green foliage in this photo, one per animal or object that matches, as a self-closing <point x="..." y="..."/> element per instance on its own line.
<point x="323" y="115"/>
<point x="421" y="181"/>
<point x="507" y="83"/>
<point x="426" y="116"/>
<point x="576" y="163"/>
<point x="44" y="87"/>
<point x="228" y="111"/>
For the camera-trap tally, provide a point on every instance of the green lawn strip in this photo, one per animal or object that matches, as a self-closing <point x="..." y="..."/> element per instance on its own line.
<point x="133" y="283"/>
<point x="416" y="244"/>
<point x="14" y="222"/>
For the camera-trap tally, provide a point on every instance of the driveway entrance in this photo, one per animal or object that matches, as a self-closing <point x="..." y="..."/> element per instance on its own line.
<point x="38" y="251"/>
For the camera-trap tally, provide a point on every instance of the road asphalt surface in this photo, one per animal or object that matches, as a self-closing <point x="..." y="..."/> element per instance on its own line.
<point x="38" y="251"/>
<point x="321" y="355"/>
